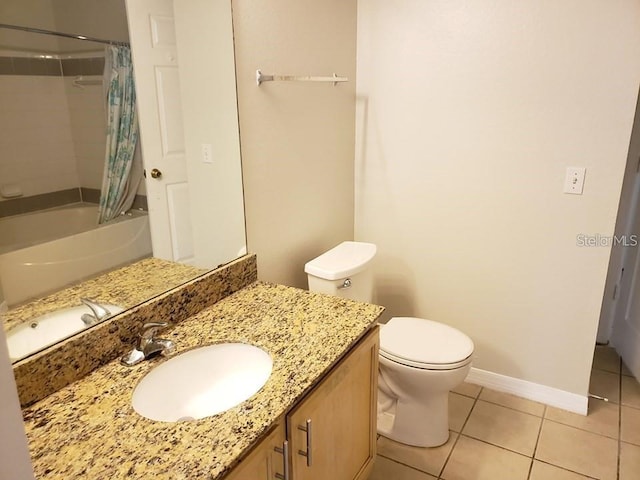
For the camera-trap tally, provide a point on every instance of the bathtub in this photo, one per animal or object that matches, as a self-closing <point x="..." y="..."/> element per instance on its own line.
<point x="44" y="251"/>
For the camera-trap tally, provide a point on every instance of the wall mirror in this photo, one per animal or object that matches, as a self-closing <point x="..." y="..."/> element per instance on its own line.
<point x="187" y="215"/>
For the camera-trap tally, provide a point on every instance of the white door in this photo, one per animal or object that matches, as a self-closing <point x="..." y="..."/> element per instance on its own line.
<point x="153" y="45"/>
<point x="626" y="327"/>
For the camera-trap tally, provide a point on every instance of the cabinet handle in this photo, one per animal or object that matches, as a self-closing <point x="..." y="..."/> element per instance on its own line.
<point x="306" y="428"/>
<point x="285" y="460"/>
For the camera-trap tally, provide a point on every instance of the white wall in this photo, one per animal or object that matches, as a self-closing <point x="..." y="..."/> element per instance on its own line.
<point x="468" y="114"/>
<point x="296" y="138"/>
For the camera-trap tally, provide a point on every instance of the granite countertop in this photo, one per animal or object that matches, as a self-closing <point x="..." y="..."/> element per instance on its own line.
<point x="88" y="430"/>
<point x="126" y="286"/>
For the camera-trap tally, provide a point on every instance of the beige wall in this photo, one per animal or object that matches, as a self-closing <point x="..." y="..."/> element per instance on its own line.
<point x="96" y="18"/>
<point x="297" y="138"/>
<point x="31" y="13"/>
<point x="468" y="115"/>
<point x="105" y="19"/>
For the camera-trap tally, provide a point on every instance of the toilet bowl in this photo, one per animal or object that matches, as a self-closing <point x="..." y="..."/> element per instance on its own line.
<point x="420" y="360"/>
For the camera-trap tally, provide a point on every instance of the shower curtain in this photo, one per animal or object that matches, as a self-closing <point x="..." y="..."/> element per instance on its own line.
<point x="122" y="166"/>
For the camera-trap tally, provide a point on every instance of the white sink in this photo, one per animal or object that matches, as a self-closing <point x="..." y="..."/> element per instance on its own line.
<point x="202" y="382"/>
<point x="45" y="330"/>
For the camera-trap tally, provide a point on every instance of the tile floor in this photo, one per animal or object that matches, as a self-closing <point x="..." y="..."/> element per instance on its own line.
<point x="496" y="436"/>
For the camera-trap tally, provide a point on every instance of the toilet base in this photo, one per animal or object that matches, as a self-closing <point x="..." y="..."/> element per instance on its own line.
<point x="420" y="425"/>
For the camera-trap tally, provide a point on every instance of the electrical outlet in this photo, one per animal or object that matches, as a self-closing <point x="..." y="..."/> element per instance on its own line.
<point x="574" y="181"/>
<point x="207" y="153"/>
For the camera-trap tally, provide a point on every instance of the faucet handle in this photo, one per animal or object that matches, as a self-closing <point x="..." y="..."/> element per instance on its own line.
<point x="99" y="312"/>
<point x="150" y="329"/>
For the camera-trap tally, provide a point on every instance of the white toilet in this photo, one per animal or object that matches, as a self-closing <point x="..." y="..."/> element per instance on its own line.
<point x="420" y="360"/>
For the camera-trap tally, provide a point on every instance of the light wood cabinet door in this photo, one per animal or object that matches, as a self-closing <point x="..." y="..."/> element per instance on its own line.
<point x="266" y="461"/>
<point x="332" y="432"/>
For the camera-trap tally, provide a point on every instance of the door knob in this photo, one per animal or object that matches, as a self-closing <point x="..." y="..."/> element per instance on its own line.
<point x="155" y="173"/>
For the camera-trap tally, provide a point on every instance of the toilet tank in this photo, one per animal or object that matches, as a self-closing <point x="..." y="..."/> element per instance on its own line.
<point x="344" y="271"/>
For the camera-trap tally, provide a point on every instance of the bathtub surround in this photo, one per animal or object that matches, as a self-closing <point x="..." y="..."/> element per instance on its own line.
<point x="43" y="201"/>
<point x="57" y="67"/>
<point x="54" y="133"/>
<point x="467" y="121"/>
<point x="54" y="130"/>
<point x="50" y="370"/>
<point x="17" y="206"/>
<point x="92" y="195"/>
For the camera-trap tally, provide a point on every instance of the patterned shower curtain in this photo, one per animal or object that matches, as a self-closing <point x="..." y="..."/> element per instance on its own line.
<point x="122" y="174"/>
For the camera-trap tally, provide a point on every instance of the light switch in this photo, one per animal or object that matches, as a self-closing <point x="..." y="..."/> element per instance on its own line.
<point x="207" y="153"/>
<point x="574" y="180"/>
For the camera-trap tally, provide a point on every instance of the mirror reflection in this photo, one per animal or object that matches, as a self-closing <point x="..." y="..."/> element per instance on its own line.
<point x="58" y="150"/>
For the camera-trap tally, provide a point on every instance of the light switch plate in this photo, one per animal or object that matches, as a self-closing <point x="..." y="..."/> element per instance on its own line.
<point x="574" y="180"/>
<point x="207" y="153"/>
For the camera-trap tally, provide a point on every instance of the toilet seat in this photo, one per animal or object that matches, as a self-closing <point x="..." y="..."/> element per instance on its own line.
<point x="424" y="344"/>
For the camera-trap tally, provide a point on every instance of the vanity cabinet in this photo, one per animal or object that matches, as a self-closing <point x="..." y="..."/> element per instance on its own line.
<point x="331" y="432"/>
<point x="267" y="460"/>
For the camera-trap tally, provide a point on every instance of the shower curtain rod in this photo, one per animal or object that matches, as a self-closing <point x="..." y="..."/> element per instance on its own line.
<point x="59" y="34"/>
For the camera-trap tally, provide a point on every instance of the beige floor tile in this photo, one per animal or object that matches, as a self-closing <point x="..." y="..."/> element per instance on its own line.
<point x="544" y="471"/>
<point x="468" y="389"/>
<point x="626" y="371"/>
<point x="605" y="384"/>
<point x="601" y="419"/>
<point x="429" y="460"/>
<point x="511" y="401"/>
<point x="630" y="392"/>
<point x="577" y="450"/>
<point x="475" y="460"/>
<point x="630" y="425"/>
<point x="629" y="461"/>
<point x="607" y="359"/>
<point x="385" y="469"/>
<point x="503" y="427"/>
<point x="459" y="409"/>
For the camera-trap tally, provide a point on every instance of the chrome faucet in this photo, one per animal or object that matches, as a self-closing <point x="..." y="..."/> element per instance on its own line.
<point x="99" y="312"/>
<point x="148" y="345"/>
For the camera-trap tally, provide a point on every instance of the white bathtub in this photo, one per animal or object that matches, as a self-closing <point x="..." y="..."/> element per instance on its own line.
<point x="44" y="251"/>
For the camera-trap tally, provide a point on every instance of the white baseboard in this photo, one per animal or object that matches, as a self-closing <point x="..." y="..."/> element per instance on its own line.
<point x="529" y="390"/>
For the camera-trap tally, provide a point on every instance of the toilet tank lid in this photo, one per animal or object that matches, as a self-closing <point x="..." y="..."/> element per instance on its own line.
<point x="341" y="261"/>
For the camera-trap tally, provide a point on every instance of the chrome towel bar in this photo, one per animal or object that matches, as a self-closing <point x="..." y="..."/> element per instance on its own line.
<point x="261" y="77"/>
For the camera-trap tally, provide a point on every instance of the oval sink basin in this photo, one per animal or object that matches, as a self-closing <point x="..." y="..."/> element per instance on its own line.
<point x="202" y="382"/>
<point x="45" y="330"/>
